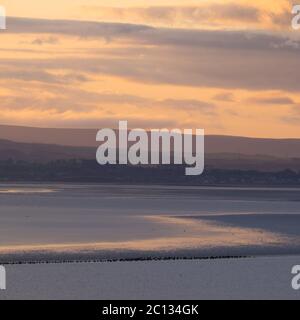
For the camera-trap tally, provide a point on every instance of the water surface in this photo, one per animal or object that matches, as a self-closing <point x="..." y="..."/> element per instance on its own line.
<point x="111" y="221"/>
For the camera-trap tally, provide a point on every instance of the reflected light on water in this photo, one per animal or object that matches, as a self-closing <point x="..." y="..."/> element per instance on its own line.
<point x="192" y="234"/>
<point x="25" y="191"/>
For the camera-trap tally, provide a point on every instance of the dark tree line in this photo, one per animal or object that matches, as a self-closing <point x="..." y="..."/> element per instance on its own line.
<point x="90" y="171"/>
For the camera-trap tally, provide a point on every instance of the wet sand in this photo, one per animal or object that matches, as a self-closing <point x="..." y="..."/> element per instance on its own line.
<point x="94" y="222"/>
<point x="247" y="278"/>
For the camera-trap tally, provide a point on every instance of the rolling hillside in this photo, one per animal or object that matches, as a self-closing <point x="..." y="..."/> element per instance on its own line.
<point x="282" y="148"/>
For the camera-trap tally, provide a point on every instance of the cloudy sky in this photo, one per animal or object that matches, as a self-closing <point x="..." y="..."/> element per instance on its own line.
<point x="230" y="67"/>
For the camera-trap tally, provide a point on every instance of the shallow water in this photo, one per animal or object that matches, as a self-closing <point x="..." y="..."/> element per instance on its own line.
<point x="41" y="222"/>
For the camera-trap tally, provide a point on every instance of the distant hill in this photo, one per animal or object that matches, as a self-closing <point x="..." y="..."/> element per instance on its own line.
<point x="65" y="137"/>
<point x="33" y="152"/>
<point x="280" y="148"/>
<point x="43" y="153"/>
<point x="232" y="161"/>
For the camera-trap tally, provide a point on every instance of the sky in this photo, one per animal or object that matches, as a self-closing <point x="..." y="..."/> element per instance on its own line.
<point x="230" y="67"/>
